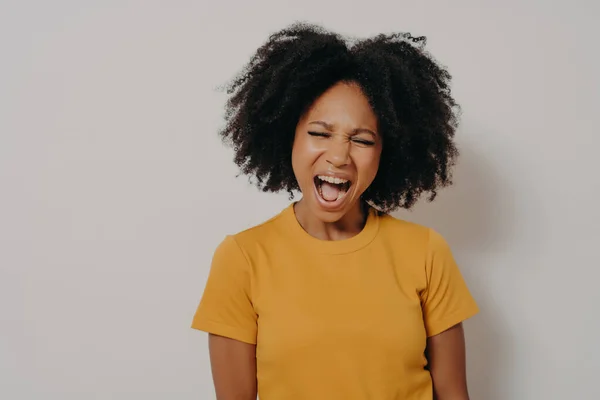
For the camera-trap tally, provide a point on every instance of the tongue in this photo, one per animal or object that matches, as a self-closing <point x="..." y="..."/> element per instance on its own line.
<point x="329" y="191"/>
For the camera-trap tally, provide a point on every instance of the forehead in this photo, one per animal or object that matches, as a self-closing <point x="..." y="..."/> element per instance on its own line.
<point x="343" y="104"/>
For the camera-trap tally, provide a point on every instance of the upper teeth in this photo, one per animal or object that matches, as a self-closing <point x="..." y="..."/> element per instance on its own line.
<point x="332" y="179"/>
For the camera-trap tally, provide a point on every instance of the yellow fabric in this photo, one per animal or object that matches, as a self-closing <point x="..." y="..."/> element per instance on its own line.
<point x="335" y="320"/>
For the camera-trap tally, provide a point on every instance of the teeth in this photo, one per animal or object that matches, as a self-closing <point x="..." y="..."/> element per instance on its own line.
<point x="332" y="179"/>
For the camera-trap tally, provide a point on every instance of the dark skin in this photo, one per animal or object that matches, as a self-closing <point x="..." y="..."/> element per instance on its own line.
<point x="233" y="365"/>
<point x="447" y="364"/>
<point x="343" y="140"/>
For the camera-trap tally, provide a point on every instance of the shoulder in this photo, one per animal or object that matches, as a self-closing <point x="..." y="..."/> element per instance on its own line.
<point x="412" y="235"/>
<point x="261" y="233"/>
<point x="236" y="250"/>
<point x="404" y="230"/>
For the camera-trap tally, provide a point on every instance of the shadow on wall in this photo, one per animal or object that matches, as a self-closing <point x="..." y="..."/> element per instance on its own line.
<point x="475" y="216"/>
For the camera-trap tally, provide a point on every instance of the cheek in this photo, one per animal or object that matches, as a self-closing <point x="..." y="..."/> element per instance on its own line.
<point x="306" y="150"/>
<point x="303" y="157"/>
<point x="368" y="165"/>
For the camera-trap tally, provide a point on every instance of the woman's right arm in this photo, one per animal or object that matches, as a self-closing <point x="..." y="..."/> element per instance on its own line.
<point x="233" y="365"/>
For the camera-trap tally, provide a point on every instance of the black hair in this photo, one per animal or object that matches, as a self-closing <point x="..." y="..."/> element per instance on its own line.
<point x="408" y="91"/>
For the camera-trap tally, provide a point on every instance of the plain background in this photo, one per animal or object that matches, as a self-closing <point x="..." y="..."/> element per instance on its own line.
<point x="115" y="188"/>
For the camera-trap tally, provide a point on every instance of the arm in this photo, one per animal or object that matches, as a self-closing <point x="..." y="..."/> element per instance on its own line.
<point x="447" y="365"/>
<point x="233" y="365"/>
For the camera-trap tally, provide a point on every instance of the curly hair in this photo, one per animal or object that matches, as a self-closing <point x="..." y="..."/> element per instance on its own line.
<point x="408" y="91"/>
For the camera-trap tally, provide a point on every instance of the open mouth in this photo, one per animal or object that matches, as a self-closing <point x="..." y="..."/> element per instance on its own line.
<point x="331" y="189"/>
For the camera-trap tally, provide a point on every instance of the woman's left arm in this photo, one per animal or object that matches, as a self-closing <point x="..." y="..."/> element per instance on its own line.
<point x="447" y="365"/>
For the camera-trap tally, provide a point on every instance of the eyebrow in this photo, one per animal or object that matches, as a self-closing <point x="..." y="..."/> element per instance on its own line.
<point x="330" y="127"/>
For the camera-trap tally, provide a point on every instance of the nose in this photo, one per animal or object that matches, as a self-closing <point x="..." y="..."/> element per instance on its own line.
<point x="338" y="154"/>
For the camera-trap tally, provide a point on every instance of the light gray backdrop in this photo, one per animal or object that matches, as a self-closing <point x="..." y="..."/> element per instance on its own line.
<point x="115" y="189"/>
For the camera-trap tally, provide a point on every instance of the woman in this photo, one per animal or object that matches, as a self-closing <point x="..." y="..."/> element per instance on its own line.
<point x="333" y="298"/>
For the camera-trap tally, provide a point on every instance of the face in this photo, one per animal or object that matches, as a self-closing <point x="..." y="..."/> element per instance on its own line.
<point x="336" y="151"/>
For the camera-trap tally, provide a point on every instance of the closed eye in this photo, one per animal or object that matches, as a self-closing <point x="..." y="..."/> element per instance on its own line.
<point x="364" y="142"/>
<point x="318" y="134"/>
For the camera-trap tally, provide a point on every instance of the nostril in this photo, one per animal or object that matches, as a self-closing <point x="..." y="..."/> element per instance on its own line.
<point x="338" y="163"/>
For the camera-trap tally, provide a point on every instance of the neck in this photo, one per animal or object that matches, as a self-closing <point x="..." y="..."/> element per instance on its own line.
<point x="346" y="227"/>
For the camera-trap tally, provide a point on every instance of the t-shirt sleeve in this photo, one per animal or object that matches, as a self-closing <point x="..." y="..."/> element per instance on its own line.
<point x="446" y="300"/>
<point x="226" y="307"/>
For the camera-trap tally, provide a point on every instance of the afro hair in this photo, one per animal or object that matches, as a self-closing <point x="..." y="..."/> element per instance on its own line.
<point x="408" y="91"/>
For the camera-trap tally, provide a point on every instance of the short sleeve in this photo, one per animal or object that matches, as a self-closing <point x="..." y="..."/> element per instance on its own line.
<point x="226" y="308"/>
<point x="446" y="300"/>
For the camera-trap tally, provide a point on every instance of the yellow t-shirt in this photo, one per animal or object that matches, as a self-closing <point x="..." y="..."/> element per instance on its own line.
<point x="332" y="320"/>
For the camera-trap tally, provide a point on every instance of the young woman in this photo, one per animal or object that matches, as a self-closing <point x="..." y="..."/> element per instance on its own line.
<point x="333" y="298"/>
